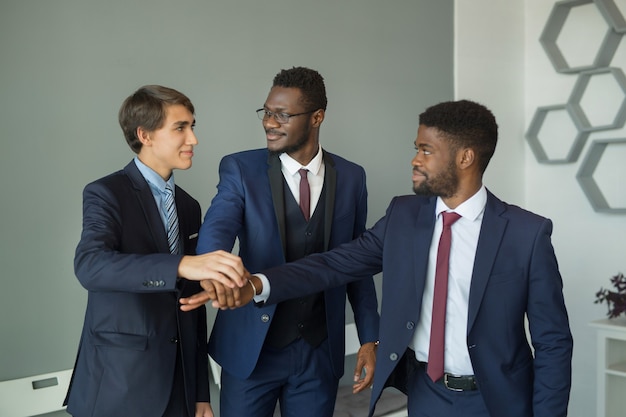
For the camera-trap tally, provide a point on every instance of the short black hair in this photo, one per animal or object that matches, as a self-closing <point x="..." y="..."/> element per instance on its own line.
<point x="465" y="124"/>
<point x="146" y="108"/>
<point x="310" y="83"/>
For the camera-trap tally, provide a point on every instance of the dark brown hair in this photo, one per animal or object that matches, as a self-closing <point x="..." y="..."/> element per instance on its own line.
<point x="146" y="108"/>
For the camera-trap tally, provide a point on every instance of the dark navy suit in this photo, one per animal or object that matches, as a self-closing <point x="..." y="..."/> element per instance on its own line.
<point x="515" y="276"/>
<point x="133" y="326"/>
<point x="250" y="206"/>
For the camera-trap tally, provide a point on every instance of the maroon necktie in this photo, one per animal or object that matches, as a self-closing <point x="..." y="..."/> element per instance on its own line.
<point x="440" y="298"/>
<point x="305" y="194"/>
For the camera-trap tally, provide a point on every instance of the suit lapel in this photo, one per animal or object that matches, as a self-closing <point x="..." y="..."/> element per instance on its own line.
<point x="146" y="201"/>
<point x="183" y="221"/>
<point x="330" y="184"/>
<point x="491" y="233"/>
<point x="424" y="226"/>
<point x="278" y="195"/>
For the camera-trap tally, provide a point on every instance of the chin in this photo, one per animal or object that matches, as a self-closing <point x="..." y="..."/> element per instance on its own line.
<point x="275" y="148"/>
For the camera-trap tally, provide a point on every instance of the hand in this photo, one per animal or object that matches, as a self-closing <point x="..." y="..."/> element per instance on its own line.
<point x="365" y="365"/>
<point x="220" y="265"/>
<point x="204" y="410"/>
<point x="223" y="297"/>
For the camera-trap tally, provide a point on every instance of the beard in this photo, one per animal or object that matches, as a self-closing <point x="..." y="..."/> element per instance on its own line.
<point x="298" y="144"/>
<point x="444" y="184"/>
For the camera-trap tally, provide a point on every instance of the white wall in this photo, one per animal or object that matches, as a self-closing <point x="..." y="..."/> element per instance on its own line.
<point x="489" y="69"/>
<point x="589" y="245"/>
<point x="499" y="61"/>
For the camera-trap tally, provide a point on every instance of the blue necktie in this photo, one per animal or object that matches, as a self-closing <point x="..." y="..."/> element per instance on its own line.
<point x="172" y="220"/>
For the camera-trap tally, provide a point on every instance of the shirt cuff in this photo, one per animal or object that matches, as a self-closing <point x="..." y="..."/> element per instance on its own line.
<point x="265" y="293"/>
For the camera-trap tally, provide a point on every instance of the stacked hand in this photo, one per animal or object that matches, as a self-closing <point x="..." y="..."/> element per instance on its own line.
<point x="223" y="278"/>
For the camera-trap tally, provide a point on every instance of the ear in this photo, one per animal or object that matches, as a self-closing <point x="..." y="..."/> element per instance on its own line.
<point x="318" y="117"/>
<point x="466" y="158"/>
<point x="143" y="135"/>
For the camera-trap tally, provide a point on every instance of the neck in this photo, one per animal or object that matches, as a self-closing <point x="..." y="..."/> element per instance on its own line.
<point x="306" y="154"/>
<point x="462" y="194"/>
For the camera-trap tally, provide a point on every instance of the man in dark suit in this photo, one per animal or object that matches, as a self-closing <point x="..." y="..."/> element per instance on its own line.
<point x="292" y="352"/>
<point x="140" y="355"/>
<point x="502" y="271"/>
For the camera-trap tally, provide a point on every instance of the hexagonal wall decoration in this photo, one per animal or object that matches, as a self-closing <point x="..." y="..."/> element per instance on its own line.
<point x="575" y="145"/>
<point x="578" y="113"/>
<point x="590" y="187"/>
<point x="612" y="14"/>
<point x="555" y="135"/>
<point x="552" y="30"/>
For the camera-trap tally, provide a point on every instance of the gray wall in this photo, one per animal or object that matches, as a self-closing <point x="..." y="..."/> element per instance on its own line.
<point x="66" y="66"/>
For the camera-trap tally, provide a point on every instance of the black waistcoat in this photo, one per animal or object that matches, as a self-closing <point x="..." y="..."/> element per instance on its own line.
<point x="305" y="316"/>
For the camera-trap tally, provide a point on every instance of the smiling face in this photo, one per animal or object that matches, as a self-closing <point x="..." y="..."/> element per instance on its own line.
<point x="298" y="136"/>
<point x="170" y="146"/>
<point x="434" y="165"/>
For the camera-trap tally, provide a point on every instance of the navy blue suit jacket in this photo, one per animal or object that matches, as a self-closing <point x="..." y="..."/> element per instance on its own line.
<point x="515" y="276"/>
<point x="249" y="205"/>
<point x="133" y="324"/>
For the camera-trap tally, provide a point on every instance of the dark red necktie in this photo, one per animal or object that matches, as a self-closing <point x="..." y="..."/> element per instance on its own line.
<point x="440" y="298"/>
<point x="305" y="194"/>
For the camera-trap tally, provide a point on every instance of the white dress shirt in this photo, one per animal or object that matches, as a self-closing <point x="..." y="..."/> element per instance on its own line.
<point x="465" y="232"/>
<point x="316" y="168"/>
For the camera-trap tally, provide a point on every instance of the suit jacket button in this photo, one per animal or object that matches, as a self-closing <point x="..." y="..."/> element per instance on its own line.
<point x="393" y="356"/>
<point x="410" y="325"/>
<point x="265" y="318"/>
<point x="174" y="340"/>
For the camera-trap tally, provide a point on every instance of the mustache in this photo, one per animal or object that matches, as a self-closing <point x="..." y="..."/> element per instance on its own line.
<point x="417" y="171"/>
<point x="273" y="132"/>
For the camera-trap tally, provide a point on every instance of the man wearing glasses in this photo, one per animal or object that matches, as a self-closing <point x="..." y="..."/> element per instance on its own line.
<point x="282" y="203"/>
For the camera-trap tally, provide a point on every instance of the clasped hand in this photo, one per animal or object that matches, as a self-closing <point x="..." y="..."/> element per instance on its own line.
<point x="223" y="278"/>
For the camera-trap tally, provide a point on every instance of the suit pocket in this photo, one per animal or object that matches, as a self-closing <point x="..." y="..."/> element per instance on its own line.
<point x="190" y="244"/>
<point x="120" y="340"/>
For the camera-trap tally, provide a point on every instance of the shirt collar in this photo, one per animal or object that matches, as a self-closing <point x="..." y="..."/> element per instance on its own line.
<point x="471" y="209"/>
<point x="292" y="166"/>
<point x="154" y="180"/>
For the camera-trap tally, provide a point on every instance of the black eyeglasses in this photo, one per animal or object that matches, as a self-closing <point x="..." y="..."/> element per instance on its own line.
<point x="279" y="117"/>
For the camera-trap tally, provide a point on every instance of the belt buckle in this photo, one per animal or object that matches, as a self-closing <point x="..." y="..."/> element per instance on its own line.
<point x="445" y="382"/>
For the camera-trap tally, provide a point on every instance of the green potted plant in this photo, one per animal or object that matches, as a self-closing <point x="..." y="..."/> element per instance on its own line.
<point x="615" y="300"/>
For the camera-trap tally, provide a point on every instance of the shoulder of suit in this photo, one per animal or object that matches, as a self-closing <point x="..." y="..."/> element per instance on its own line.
<point x="513" y="211"/>
<point x="340" y="161"/>
<point x="411" y="203"/>
<point x="114" y="179"/>
<point x="413" y="199"/>
<point x="521" y="214"/>
<point x="250" y="153"/>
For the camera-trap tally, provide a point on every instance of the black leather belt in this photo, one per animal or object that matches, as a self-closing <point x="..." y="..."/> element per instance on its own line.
<point x="455" y="382"/>
<point x="458" y="382"/>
